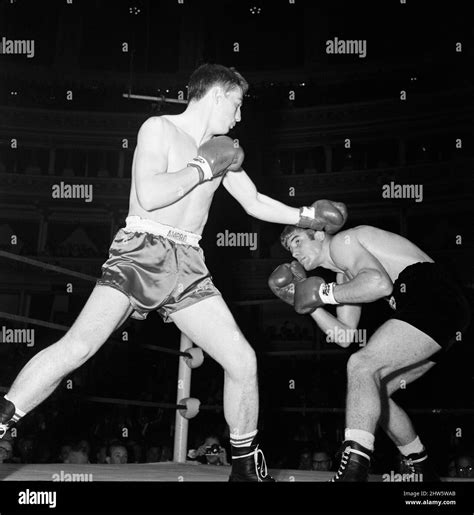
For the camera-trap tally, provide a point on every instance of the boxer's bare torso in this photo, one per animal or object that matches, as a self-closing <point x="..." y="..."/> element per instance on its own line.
<point x="392" y="251"/>
<point x="191" y="211"/>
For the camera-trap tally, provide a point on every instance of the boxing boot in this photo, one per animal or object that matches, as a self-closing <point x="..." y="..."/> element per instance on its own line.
<point x="354" y="464"/>
<point x="419" y="464"/>
<point x="248" y="464"/>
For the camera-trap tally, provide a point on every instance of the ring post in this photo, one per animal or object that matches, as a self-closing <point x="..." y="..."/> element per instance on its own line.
<point x="183" y="390"/>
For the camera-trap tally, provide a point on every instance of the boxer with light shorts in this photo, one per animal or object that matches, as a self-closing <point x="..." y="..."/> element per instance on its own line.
<point x="156" y="264"/>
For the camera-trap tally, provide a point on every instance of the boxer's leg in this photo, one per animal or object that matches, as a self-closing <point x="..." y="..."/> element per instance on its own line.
<point x="211" y="326"/>
<point x="394" y="346"/>
<point x="399" y="428"/>
<point x="394" y="420"/>
<point x="104" y="311"/>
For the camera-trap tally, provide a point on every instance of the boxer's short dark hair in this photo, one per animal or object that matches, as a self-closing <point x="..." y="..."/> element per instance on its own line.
<point x="209" y="75"/>
<point x="290" y="230"/>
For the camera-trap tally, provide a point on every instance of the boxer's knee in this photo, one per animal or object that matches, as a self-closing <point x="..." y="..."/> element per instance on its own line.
<point x="363" y="364"/>
<point x="243" y="363"/>
<point x="75" y="351"/>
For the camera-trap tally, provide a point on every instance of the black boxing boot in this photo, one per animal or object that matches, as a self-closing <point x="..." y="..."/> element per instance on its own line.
<point x="419" y="464"/>
<point x="248" y="464"/>
<point x="7" y="413"/>
<point x="355" y="463"/>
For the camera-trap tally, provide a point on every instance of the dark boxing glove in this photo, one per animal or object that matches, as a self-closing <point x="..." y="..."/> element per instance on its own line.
<point x="323" y="215"/>
<point x="313" y="293"/>
<point x="283" y="279"/>
<point x="216" y="156"/>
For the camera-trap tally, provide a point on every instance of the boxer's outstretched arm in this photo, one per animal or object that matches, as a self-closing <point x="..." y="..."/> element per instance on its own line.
<point x="156" y="188"/>
<point x="243" y="189"/>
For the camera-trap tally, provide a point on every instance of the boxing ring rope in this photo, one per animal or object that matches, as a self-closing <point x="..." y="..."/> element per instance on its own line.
<point x="46" y="266"/>
<point x="189" y="357"/>
<point x="60" y="327"/>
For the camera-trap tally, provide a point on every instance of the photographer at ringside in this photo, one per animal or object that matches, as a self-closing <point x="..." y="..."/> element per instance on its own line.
<point x="210" y="452"/>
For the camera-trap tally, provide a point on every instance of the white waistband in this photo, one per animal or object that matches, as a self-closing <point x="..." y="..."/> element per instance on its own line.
<point x="137" y="224"/>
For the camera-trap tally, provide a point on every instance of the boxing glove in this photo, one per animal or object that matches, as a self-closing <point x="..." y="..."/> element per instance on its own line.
<point x="283" y="279"/>
<point x="323" y="215"/>
<point x="216" y="156"/>
<point x="312" y="293"/>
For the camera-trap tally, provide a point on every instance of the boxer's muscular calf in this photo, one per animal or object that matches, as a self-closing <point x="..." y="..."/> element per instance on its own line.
<point x="105" y="310"/>
<point x="394" y="421"/>
<point x="211" y="326"/>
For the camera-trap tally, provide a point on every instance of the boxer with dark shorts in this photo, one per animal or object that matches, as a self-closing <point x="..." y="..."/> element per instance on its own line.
<point x="426" y="296"/>
<point x="430" y="313"/>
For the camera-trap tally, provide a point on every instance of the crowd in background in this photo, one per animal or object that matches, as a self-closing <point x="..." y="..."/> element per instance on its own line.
<point x="69" y="433"/>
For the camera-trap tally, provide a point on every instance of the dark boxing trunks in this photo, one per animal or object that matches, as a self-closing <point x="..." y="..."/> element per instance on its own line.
<point x="158" y="267"/>
<point x="426" y="297"/>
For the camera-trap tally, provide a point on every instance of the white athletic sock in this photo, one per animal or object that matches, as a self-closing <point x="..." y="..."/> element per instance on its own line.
<point x="360" y="436"/>
<point x="245" y="440"/>
<point x="414" y="447"/>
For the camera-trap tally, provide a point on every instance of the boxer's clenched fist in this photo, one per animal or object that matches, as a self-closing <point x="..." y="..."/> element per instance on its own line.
<point x="323" y="215"/>
<point x="283" y="279"/>
<point x="313" y="293"/>
<point x="216" y="156"/>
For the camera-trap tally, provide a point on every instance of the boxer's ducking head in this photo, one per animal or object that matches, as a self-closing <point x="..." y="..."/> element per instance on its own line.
<point x="306" y="246"/>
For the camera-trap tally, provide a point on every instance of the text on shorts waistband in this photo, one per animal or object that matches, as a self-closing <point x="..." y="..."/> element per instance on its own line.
<point x="136" y="224"/>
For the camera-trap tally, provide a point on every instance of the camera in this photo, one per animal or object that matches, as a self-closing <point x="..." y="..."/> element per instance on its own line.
<point x="213" y="449"/>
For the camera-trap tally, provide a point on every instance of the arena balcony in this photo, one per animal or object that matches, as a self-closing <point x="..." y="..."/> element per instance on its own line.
<point x="443" y="179"/>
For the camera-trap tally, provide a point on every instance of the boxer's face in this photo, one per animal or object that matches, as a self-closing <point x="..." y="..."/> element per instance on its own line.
<point x="227" y="110"/>
<point x="306" y="250"/>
